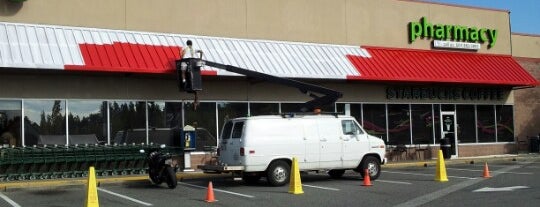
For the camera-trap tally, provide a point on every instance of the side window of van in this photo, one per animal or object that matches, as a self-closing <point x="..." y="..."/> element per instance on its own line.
<point x="227" y="129"/>
<point x="350" y="127"/>
<point x="237" y="130"/>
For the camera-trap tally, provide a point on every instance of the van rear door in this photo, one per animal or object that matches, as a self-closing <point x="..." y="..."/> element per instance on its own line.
<point x="231" y="142"/>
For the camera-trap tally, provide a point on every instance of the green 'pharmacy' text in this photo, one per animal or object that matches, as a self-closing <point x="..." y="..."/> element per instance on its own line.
<point x="424" y="29"/>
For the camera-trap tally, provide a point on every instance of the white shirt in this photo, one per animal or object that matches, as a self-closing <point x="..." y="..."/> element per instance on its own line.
<point x="189" y="52"/>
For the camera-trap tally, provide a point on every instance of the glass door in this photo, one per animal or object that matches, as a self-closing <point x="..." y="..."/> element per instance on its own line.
<point x="448" y="133"/>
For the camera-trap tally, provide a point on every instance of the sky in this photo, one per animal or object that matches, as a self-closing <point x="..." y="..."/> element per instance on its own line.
<point x="524" y="14"/>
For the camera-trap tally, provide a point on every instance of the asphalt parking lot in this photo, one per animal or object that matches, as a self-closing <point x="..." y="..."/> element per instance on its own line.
<point x="513" y="183"/>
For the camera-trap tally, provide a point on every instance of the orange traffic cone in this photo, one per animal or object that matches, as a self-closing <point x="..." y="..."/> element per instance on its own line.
<point x="210" y="193"/>
<point x="486" y="171"/>
<point x="367" y="180"/>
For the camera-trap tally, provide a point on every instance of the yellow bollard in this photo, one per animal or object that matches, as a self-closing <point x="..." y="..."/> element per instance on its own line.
<point x="440" y="173"/>
<point x="295" y="184"/>
<point x="91" y="190"/>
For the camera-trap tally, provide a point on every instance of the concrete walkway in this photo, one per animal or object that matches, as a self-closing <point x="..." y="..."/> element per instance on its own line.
<point x="199" y="174"/>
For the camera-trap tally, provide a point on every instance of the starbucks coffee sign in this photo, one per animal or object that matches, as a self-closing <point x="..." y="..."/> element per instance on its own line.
<point x="452" y="36"/>
<point x="444" y="93"/>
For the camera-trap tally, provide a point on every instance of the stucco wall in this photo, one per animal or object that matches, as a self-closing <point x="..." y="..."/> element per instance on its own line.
<point x="526" y="51"/>
<point x="349" y="22"/>
<point x="525" y="45"/>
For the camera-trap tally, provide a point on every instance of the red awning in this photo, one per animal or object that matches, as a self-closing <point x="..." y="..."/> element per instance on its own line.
<point x="411" y="65"/>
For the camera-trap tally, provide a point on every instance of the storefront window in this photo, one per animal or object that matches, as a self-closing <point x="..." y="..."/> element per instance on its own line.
<point x="297" y="107"/>
<point x="466" y="131"/>
<point x="87" y="121"/>
<point x="165" y="123"/>
<point x="256" y="109"/>
<point x="399" y="124"/>
<point x="422" y="123"/>
<point x="505" y="123"/>
<point x="204" y="121"/>
<point x="375" y="119"/>
<point x="436" y="122"/>
<point x="10" y="123"/>
<point x="230" y="110"/>
<point x="485" y="123"/>
<point x="355" y="110"/>
<point x="128" y="122"/>
<point x="45" y="122"/>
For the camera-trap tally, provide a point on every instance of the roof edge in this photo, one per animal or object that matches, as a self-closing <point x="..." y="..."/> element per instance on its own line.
<point x="458" y="5"/>
<point x="434" y="50"/>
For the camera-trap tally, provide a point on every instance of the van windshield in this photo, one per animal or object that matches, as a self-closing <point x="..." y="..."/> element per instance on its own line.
<point x="226" y="131"/>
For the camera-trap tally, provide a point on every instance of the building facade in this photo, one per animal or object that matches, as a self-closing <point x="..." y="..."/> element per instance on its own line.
<point x="411" y="72"/>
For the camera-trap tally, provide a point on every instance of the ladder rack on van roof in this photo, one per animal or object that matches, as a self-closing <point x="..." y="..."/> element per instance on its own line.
<point x="297" y="114"/>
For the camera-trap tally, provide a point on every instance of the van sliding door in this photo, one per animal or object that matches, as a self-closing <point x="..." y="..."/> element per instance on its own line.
<point x="330" y="143"/>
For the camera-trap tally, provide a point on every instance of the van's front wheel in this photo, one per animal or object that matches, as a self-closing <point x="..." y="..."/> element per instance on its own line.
<point x="278" y="173"/>
<point x="373" y="166"/>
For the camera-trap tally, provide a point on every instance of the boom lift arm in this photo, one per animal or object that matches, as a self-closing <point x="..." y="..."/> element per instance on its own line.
<point x="321" y="96"/>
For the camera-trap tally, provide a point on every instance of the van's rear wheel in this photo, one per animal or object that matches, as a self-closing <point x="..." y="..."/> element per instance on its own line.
<point x="373" y="166"/>
<point x="336" y="173"/>
<point x="278" y="173"/>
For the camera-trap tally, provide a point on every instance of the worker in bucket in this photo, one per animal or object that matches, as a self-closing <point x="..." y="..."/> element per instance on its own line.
<point x="188" y="52"/>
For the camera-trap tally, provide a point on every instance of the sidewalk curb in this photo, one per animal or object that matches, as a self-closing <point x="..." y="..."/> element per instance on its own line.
<point x="463" y="160"/>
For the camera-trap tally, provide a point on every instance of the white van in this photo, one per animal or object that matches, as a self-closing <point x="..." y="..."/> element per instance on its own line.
<point x="263" y="146"/>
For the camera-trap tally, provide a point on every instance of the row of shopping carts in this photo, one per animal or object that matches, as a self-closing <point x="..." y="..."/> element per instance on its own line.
<point x="70" y="161"/>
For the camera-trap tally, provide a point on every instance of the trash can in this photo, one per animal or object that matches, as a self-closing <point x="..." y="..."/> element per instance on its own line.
<point x="534" y="144"/>
<point x="446" y="147"/>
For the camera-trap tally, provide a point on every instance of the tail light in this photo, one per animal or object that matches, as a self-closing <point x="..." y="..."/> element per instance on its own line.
<point x="242" y="151"/>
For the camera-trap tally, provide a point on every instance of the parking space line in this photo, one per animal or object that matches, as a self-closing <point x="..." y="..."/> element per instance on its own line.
<point x="420" y="174"/>
<point x="7" y="199"/>
<point x="125" y="197"/>
<point x="319" y="187"/>
<point x="394" y="182"/>
<point x="418" y="201"/>
<point x="517" y="173"/>
<point x="223" y="191"/>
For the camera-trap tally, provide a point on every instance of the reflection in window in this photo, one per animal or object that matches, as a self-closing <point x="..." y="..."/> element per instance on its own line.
<point x="466" y="131"/>
<point x="485" y="123"/>
<point x="165" y="123"/>
<point x="399" y="131"/>
<point x="349" y="127"/>
<point x="297" y="107"/>
<point x="128" y="122"/>
<point x="375" y="120"/>
<point x="422" y="123"/>
<point x="10" y="123"/>
<point x="44" y="122"/>
<point x="87" y="121"/>
<point x="204" y="121"/>
<point x="355" y="110"/>
<point x="437" y="122"/>
<point x="230" y="110"/>
<point x="505" y="123"/>
<point x="256" y="109"/>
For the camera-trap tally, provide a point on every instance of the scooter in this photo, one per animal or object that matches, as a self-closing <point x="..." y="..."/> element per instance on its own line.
<point x="160" y="167"/>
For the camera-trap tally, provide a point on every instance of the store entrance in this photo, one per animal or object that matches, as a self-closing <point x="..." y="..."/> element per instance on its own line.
<point x="449" y="133"/>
